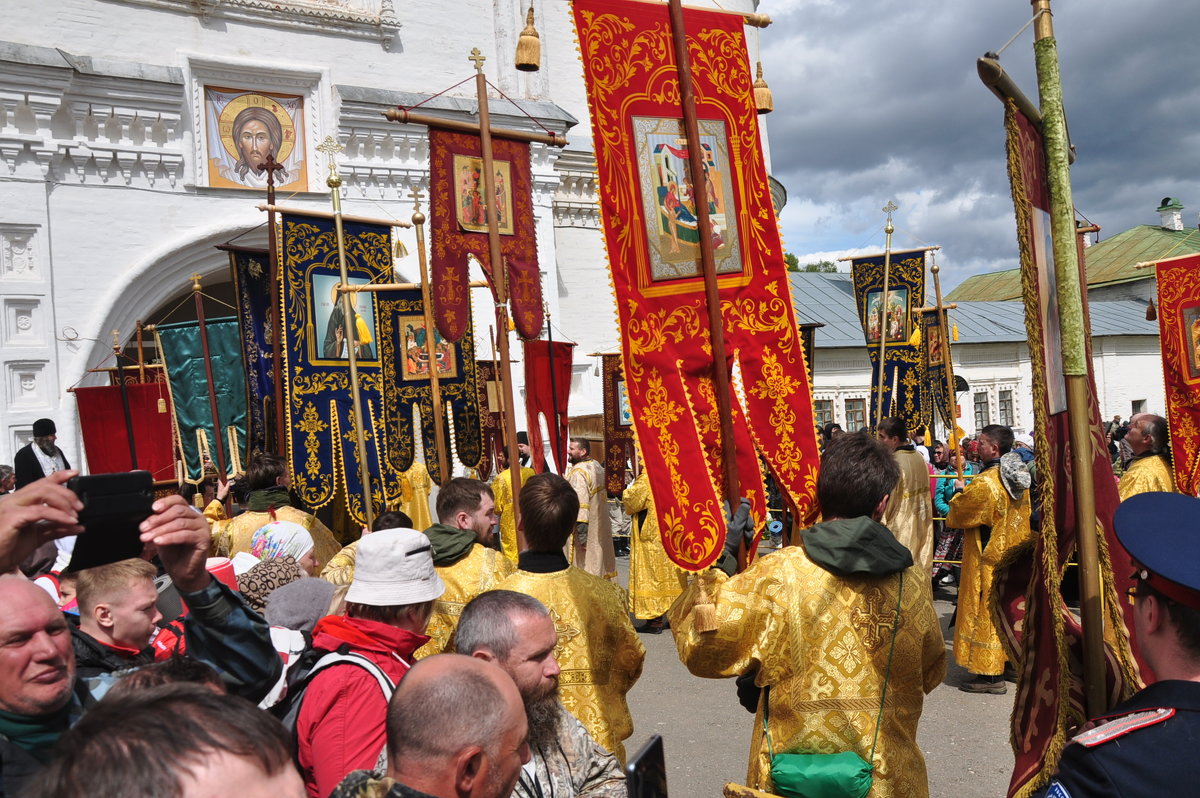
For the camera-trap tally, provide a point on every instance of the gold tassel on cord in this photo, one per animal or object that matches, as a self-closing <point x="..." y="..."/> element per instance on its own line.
<point x="529" y="46"/>
<point x="705" y="619"/>
<point x="399" y="251"/>
<point x="954" y="333"/>
<point x="915" y="338"/>
<point x="1151" y="313"/>
<point x="763" y="102"/>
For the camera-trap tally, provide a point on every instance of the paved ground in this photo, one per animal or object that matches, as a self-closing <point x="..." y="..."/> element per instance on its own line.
<point x="706" y="733"/>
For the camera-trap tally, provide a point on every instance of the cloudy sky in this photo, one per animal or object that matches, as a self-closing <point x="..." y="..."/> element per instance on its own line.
<point x="878" y="101"/>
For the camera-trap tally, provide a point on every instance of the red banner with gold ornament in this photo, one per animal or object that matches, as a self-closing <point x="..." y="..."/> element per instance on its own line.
<point x="1179" y="337"/>
<point x="458" y="228"/>
<point x="649" y="211"/>
<point x="1039" y="631"/>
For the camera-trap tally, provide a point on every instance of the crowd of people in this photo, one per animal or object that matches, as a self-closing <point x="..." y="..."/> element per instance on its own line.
<point x="471" y="658"/>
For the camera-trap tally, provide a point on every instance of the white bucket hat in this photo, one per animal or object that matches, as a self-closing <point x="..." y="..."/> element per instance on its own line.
<point x="394" y="567"/>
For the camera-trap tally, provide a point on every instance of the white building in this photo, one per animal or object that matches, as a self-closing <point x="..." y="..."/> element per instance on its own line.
<point x="990" y="354"/>
<point x="114" y="190"/>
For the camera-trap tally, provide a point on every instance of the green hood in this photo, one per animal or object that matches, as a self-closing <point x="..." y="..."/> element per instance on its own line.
<point x="261" y="500"/>
<point x="450" y="544"/>
<point x="855" y="547"/>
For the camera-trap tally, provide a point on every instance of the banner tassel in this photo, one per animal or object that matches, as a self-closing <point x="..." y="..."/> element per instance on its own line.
<point x="529" y="46"/>
<point x="1151" y="312"/>
<point x="954" y="332"/>
<point x="705" y="610"/>
<point x="764" y="103"/>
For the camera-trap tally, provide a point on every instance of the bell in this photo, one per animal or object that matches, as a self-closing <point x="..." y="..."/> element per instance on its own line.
<point x="529" y="46"/>
<point x="763" y="102"/>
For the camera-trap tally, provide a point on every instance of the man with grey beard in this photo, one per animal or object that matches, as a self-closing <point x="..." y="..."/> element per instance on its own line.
<point x="41" y="457"/>
<point x="516" y="632"/>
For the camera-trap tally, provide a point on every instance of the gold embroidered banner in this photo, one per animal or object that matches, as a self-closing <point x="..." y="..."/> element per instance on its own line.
<point x="458" y="229"/>
<point x="1179" y="337"/>
<point x="649" y="209"/>
<point x="1035" y="624"/>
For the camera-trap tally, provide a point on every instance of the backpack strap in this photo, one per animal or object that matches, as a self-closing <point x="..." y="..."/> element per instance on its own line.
<point x="341" y="657"/>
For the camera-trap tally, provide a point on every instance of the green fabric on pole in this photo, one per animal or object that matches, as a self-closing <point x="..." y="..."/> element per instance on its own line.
<point x="184" y="359"/>
<point x="1062" y="208"/>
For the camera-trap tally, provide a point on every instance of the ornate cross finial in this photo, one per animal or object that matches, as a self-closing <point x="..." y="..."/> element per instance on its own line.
<point x="890" y="207"/>
<point x="116" y="339"/>
<point x="416" y="197"/>
<point x="195" y="281"/>
<point x="270" y="166"/>
<point x="478" y="58"/>
<point x="331" y="148"/>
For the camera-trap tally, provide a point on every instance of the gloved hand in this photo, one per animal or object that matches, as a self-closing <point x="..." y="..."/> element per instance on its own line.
<point x="739" y="528"/>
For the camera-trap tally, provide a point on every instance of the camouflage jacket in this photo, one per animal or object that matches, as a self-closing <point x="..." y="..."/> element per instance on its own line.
<point x="575" y="766"/>
<point x="363" y="784"/>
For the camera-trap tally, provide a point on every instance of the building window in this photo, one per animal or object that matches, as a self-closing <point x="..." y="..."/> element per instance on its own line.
<point x="1006" y="408"/>
<point x="824" y="411"/>
<point x="856" y="414"/>
<point x="982" y="418"/>
<point x="1138" y="406"/>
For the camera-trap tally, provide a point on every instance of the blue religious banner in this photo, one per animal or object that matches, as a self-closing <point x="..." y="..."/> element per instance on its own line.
<point x="937" y="368"/>
<point x="404" y="350"/>
<point x="892" y="318"/>
<point x="252" y="285"/>
<point x="182" y="353"/>
<point x="322" y="436"/>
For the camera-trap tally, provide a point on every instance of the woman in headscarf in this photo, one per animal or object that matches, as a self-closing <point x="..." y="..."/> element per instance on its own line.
<point x="286" y="539"/>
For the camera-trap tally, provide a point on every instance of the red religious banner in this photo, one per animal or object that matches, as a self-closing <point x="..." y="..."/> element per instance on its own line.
<point x="1038" y="629"/>
<point x="620" y="450"/>
<point x="106" y="436"/>
<point x="649" y="210"/>
<point x="1179" y="337"/>
<point x="547" y="387"/>
<point x="458" y="224"/>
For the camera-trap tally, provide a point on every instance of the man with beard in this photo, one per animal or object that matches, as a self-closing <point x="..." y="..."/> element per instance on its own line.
<point x="1150" y="469"/>
<point x="593" y="548"/>
<point x="41" y="457"/>
<point x="515" y="631"/>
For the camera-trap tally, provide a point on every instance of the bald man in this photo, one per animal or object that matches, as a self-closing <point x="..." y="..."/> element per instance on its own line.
<point x="456" y="728"/>
<point x="1150" y="469"/>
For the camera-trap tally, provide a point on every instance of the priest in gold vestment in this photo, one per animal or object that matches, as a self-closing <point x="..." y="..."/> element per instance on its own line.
<point x="909" y="513"/>
<point x="814" y="626"/>
<point x="654" y="581"/>
<point x="417" y="501"/>
<point x="598" y="649"/>
<point x="502" y="490"/>
<point x="593" y="549"/>
<point x="462" y="555"/>
<point x="1150" y="469"/>
<point x="268" y="480"/>
<point x="993" y="511"/>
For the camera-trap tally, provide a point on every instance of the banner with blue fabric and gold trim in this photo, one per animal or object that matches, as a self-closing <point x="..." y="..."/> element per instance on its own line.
<point x="252" y="285"/>
<point x="935" y="362"/>
<point x="901" y="384"/>
<point x="322" y="454"/>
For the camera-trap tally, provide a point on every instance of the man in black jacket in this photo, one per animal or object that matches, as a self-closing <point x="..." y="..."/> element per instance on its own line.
<point x="42" y="457"/>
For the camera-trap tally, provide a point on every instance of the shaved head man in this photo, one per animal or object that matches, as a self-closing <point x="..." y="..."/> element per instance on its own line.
<point x="456" y="729"/>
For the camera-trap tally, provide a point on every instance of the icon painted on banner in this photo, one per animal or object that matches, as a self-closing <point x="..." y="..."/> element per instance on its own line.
<point x="624" y="413"/>
<point x="242" y="127"/>
<point x="414" y="343"/>
<point x="327" y="328"/>
<point x="470" y="202"/>
<point x="1190" y="327"/>
<point x="670" y="202"/>
<point x="896" y="316"/>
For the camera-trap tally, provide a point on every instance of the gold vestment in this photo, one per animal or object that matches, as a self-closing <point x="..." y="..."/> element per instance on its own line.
<point x="502" y="492"/>
<point x="241" y="529"/>
<point x="1146" y="474"/>
<point x="598" y="650"/>
<point x="587" y="478"/>
<point x="909" y="514"/>
<point x="340" y="568"/>
<point x="984" y="502"/>
<point x="417" y="507"/>
<point x="481" y="570"/>
<point x="218" y="527"/>
<point x="821" y="642"/>
<point x="654" y="581"/>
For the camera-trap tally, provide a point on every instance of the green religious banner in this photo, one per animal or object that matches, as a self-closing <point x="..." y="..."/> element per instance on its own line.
<point x="187" y="379"/>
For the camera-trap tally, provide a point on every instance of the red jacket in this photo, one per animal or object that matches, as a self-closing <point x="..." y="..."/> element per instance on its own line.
<point x="342" y="721"/>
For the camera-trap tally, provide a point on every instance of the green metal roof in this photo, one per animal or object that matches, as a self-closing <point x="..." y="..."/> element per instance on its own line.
<point x="1112" y="260"/>
<point x="993" y="286"/>
<point x="1108" y="262"/>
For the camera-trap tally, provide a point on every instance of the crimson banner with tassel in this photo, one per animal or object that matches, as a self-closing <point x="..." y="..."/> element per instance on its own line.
<point x="649" y="210"/>
<point x="547" y="387"/>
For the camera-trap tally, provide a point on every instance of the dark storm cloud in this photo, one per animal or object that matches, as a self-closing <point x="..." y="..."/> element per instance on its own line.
<point x="877" y="101"/>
